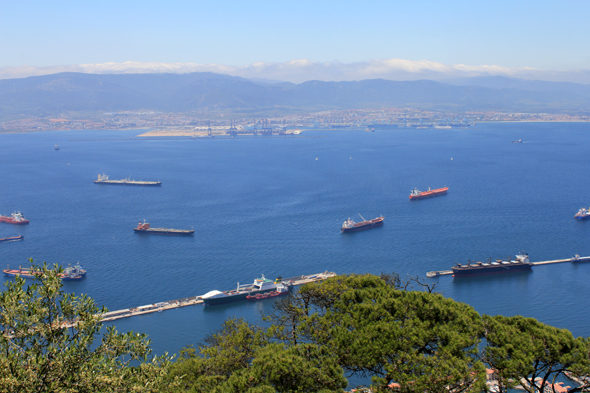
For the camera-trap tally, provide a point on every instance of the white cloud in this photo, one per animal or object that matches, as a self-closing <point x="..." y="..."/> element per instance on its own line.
<point x="302" y="70"/>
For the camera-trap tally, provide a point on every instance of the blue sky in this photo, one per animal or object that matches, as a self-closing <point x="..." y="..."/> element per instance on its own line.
<point x="548" y="35"/>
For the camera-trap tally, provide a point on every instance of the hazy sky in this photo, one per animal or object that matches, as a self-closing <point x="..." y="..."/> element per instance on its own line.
<point x="541" y="34"/>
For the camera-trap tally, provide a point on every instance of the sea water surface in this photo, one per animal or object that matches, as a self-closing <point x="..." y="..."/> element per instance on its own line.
<point x="274" y="206"/>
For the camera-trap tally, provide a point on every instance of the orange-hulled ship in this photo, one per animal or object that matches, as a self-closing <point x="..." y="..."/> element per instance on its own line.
<point x="417" y="194"/>
<point x="15" y="218"/>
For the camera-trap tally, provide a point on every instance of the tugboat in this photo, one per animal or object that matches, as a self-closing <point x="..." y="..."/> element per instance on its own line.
<point x="583" y="214"/>
<point x="520" y="263"/>
<point x="15" y="218"/>
<point x="69" y="273"/>
<point x="417" y="194"/>
<point x="260" y="287"/>
<point x="12" y="239"/>
<point x="351" y="226"/>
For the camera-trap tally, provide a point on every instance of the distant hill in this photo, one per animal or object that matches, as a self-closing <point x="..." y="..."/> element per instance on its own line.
<point x="208" y="91"/>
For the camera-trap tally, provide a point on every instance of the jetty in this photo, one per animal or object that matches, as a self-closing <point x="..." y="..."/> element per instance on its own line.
<point x="575" y="259"/>
<point x="194" y="300"/>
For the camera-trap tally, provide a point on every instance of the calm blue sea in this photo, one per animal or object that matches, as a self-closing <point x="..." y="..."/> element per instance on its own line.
<point x="267" y="206"/>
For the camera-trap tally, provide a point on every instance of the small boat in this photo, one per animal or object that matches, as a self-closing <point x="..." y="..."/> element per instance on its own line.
<point x="12" y="239"/>
<point x="583" y="214"/>
<point x="70" y="273"/>
<point x="56" y="146"/>
<point x="316" y="158"/>
<point x="351" y="226"/>
<point x="518" y="141"/>
<point x="15" y="218"/>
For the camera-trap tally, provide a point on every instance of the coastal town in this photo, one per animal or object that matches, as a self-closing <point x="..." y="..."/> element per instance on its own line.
<point x="207" y="123"/>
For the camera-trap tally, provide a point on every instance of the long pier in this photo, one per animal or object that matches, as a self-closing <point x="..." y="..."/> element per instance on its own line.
<point x="194" y="300"/>
<point x="575" y="259"/>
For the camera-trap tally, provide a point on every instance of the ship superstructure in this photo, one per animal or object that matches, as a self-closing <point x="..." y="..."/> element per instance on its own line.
<point x="583" y="214"/>
<point x="15" y="218"/>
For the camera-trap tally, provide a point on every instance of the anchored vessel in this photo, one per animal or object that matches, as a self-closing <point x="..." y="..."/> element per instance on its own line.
<point x="521" y="263"/>
<point x="104" y="179"/>
<point x="144" y="227"/>
<point x="14" y="218"/>
<point x="11" y="239"/>
<point x="261" y="286"/>
<point x="70" y="273"/>
<point x="417" y="194"/>
<point x="583" y="214"/>
<point x="351" y="226"/>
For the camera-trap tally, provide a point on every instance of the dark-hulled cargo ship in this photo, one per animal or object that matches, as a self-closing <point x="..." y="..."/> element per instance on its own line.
<point x="242" y="292"/>
<point x="520" y="263"/>
<point x="144" y="227"/>
<point x="104" y="179"/>
<point x="351" y="226"/>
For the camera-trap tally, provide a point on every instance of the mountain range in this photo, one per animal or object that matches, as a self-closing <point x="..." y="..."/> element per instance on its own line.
<point x="204" y="91"/>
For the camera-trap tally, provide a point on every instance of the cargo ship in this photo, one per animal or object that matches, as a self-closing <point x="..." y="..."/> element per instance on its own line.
<point x="351" y="226"/>
<point x="283" y="290"/>
<point x="15" y="218"/>
<point x="144" y="227"/>
<point x="260" y="286"/>
<point x="104" y="179"/>
<point x="417" y="194"/>
<point x="583" y="214"/>
<point x="520" y="263"/>
<point x="70" y="273"/>
<point x="11" y="239"/>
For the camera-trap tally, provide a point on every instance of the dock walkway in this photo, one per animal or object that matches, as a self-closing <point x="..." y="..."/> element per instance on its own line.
<point x="575" y="259"/>
<point x="194" y="300"/>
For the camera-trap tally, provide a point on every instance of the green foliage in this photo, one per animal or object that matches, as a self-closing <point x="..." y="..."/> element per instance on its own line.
<point x="240" y="358"/>
<point x="531" y="354"/>
<point x="420" y="340"/>
<point x="47" y="343"/>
